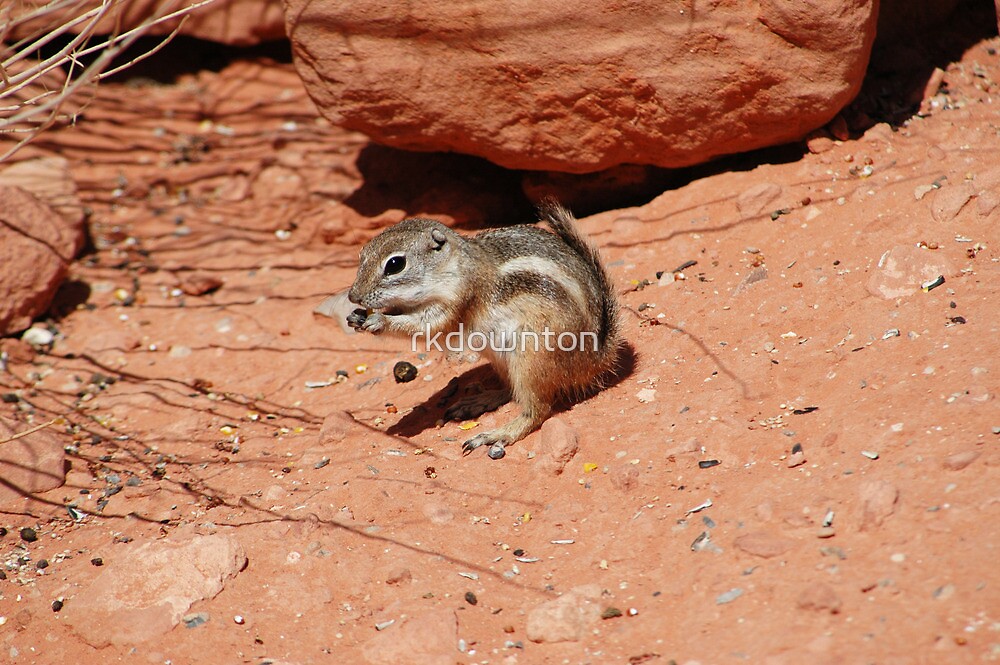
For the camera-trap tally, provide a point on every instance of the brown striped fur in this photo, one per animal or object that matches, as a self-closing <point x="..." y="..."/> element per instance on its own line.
<point x="514" y="278"/>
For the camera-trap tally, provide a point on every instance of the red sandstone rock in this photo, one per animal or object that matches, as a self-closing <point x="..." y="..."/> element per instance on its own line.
<point x="558" y="446"/>
<point x="901" y="271"/>
<point x="144" y="594"/>
<point x="582" y="87"/>
<point x="36" y="246"/>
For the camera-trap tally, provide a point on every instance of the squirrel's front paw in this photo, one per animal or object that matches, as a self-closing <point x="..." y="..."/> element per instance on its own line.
<point x="356" y="319"/>
<point x="375" y="323"/>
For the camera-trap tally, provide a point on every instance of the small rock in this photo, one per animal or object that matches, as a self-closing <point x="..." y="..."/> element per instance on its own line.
<point x="797" y="458"/>
<point x="944" y="592"/>
<point x="820" y="144"/>
<point x="335" y="428"/>
<point x="878" y="501"/>
<point x="728" y="596"/>
<point x="949" y="201"/>
<point x="567" y="618"/>
<point x="38" y="337"/>
<point x="764" y="544"/>
<point x="558" y="445"/>
<point x="838" y="127"/>
<point x="819" y="597"/>
<point x="399" y="575"/>
<point x="959" y="461"/>
<point x="703" y="543"/>
<point x="646" y="395"/>
<point x="826" y="532"/>
<point x="198" y="284"/>
<point x="194" y="620"/>
<point x="903" y="269"/>
<point x="471" y="598"/>
<point x="28" y="535"/>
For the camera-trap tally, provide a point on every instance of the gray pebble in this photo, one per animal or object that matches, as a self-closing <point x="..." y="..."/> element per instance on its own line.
<point x="195" y="620"/>
<point x="728" y="596"/>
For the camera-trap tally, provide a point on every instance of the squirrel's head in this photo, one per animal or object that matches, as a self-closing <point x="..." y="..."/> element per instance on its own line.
<point x="407" y="267"/>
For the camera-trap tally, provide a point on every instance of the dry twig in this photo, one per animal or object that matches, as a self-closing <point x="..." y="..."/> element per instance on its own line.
<point x="32" y="430"/>
<point x="35" y="88"/>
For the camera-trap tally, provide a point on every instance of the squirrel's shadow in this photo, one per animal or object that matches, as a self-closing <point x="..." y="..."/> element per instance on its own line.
<point x="425" y="416"/>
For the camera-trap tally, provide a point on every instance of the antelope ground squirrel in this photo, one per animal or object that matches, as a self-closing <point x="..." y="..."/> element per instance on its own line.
<point x="540" y="305"/>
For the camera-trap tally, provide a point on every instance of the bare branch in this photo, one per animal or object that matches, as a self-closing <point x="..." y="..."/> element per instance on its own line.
<point x="34" y="90"/>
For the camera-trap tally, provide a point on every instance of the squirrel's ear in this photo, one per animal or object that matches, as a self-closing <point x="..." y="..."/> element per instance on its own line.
<point x="438" y="239"/>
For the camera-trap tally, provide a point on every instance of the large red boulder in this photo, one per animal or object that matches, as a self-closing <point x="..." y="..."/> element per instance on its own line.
<point x="582" y="86"/>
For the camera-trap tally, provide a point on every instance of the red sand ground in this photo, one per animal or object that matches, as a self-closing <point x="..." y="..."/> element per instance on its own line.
<point x="230" y="180"/>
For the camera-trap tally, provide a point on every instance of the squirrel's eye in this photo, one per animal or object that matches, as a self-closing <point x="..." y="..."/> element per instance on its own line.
<point x="395" y="265"/>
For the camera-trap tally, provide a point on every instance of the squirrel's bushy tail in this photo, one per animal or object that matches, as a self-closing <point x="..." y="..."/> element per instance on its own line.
<point x="564" y="224"/>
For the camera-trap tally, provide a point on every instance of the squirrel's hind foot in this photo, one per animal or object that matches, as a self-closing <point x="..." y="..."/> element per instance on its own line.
<point x="495" y="441"/>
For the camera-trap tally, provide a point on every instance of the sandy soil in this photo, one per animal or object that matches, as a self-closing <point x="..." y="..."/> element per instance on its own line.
<point x="854" y="514"/>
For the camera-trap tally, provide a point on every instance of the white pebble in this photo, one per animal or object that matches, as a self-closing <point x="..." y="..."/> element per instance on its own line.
<point x="38" y="337"/>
